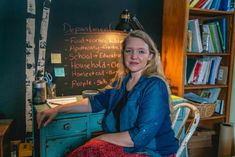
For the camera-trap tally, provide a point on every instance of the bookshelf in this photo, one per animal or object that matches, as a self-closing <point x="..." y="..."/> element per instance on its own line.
<point x="174" y="43"/>
<point x="176" y="15"/>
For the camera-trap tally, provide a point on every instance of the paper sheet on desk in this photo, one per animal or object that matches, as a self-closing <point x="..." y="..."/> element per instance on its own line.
<point x="61" y="101"/>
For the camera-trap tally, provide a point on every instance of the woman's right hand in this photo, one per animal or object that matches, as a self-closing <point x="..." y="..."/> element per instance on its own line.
<point x="45" y="117"/>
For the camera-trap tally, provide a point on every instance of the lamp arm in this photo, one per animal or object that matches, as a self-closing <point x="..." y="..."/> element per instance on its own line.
<point x="135" y="23"/>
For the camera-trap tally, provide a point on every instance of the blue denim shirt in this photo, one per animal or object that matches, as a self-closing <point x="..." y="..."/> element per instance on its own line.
<point x="146" y="116"/>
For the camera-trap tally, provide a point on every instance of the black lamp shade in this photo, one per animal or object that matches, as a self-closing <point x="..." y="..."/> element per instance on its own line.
<point x="124" y="23"/>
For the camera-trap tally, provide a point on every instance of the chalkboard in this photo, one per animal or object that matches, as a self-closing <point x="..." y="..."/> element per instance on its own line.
<point x="73" y="21"/>
<point x="90" y="58"/>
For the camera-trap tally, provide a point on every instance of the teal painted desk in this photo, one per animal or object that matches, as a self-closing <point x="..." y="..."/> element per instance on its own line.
<point x="65" y="133"/>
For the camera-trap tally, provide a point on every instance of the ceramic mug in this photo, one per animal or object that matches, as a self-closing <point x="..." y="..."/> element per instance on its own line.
<point x="90" y="92"/>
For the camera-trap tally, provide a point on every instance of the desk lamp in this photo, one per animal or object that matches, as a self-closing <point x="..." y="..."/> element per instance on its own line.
<point x="128" y="22"/>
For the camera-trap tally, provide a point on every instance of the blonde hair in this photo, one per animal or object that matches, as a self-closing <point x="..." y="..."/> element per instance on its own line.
<point x="153" y="67"/>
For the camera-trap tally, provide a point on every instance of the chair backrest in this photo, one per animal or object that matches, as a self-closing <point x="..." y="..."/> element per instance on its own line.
<point x="184" y="108"/>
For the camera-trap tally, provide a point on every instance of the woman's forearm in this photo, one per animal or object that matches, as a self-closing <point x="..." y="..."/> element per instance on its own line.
<point x="76" y="107"/>
<point x="120" y="138"/>
<point x="45" y="117"/>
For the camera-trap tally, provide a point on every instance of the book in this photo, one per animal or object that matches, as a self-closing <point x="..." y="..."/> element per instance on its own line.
<point x="217" y="106"/>
<point x="193" y="3"/>
<point x="195" y="98"/>
<point x="232" y="5"/>
<point x="214" y="69"/>
<point x="195" y="72"/>
<point x="221" y="39"/>
<point x="207" y="5"/>
<point x="205" y="28"/>
<point x="208" y="70"/>
<point x="193" y="25"/>
<point x="202" y="78"/>
<point x="215" y="37"/>
<point x="205" y="41"/>
<point x="200" y="3"/>
<point x="223" y="26"/>
<point x="222" y="107"/>
<point x="215" y="5"/>
<point x="189" y="68"/>
<point x="198" y="70"/>
<point x="189" y="41"/>
<point x="225" y="5"/>
<point x="209" y="95"/>
<point x="222" y="75"/>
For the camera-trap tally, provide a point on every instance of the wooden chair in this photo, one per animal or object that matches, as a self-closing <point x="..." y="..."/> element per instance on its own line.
<point x="184" y="109"/>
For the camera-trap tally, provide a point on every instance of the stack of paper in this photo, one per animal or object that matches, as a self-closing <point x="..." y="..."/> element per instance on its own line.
<point x="60" y="101"/>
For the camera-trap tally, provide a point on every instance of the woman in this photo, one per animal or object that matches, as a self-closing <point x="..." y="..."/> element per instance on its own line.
<point x="137" y="118"/>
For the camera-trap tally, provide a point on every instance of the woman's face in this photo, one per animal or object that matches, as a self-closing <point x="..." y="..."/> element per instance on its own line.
<point x="136" y="55"/>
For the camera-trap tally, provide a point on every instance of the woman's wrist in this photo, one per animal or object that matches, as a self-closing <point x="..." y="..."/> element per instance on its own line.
<point x="58" y="109"/>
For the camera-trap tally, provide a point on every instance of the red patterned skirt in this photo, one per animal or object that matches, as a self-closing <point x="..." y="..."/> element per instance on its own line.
<point x="98" y="148"/>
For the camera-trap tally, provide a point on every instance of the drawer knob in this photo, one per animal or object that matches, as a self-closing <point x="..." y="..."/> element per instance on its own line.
<point x="99" y="121"/>
<point x="67" y="126"/>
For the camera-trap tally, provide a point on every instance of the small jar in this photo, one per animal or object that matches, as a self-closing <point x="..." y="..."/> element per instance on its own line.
<point x="39" y="92"/>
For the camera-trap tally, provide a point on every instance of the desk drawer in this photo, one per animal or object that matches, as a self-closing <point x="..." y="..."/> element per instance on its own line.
<point x="67" y="126"/>
<point x="96" y="122"/>
<point x="60" y="147"/>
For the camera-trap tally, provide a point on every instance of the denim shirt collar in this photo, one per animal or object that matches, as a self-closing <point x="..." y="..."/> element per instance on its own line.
<point x="128" y="76"/>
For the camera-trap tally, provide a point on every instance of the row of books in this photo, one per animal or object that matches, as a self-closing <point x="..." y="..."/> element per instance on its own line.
<point x="209" y="36"/>
<point x="225" y="5"/>
<point x="205" y="70"/>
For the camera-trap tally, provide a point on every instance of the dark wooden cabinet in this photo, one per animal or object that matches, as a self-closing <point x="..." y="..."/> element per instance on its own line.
<point x="4" y="137"/>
